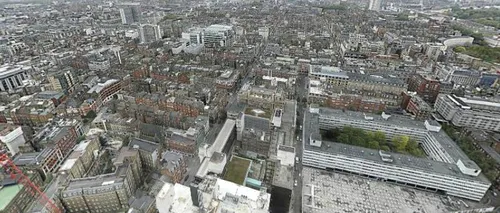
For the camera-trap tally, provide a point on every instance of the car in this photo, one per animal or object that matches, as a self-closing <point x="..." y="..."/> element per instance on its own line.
<point x="295" y="183"/>
<point x="300" y="174"/>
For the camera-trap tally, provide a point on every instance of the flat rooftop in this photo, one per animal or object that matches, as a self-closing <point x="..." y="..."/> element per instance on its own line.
<point x="7" y="193"/>
<point x="311" y="126"/>
<point x="404" y="122"/>
<point x="237" y="169"/>
<point x="326" y="192"/>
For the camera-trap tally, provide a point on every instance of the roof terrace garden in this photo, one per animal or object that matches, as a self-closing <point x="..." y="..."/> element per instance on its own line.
<point x="373" y="140"/>
<point x="237" y="169"/>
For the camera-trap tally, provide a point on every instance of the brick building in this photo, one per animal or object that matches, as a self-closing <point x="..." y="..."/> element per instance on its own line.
<point x="173" y="165"/>
<point x="426" y="88"/>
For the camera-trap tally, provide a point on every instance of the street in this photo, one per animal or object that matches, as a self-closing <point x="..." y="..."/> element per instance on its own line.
<point x="301" y="91"/>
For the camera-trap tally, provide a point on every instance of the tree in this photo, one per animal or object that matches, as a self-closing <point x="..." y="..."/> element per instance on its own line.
<point x="379" y="137"/>
<point x="91" y="114"/>
<point x="400" y="142"/>
<point x="373" y="145"/>
<point x="385" y="148"/>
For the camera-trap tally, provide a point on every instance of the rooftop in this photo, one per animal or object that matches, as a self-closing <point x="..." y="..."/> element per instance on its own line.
<point x="325" y="192"/>
<point x="144" y="145"/>
<point x="237" y="169"/>
<point x="312" y="127"/>
<point x="7" y="193"/>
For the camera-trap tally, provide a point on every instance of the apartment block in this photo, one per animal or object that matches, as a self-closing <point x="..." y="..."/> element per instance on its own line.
<point x="81" y="159"/>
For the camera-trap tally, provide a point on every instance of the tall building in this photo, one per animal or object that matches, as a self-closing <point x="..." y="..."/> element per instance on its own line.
<point x="130" y="12"/>
<point x="62" y="81"/>
<point x="149" y="33"/>
<point x="375" y="5"/>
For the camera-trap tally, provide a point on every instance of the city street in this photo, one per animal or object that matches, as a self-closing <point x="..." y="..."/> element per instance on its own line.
<point x="301" y="90"/>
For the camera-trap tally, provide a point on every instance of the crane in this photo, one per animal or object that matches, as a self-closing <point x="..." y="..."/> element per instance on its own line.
<point x="15" y="173"/>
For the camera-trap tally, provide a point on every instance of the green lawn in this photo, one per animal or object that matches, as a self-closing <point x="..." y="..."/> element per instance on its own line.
<point x="236" y="170"/>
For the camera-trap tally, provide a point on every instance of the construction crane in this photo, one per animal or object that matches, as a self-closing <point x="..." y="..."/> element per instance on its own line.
<point x="16" y="174"/>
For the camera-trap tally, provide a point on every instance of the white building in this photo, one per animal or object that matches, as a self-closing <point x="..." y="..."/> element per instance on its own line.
<point x="469" y="112"/>
<point x="218" y="36"/>
<point x="12" y="77"/>
<point x="12" y="136"/>
<point x="375" y="5"/>
<point x="212" y="195"/>
<point x="446" y="169"/>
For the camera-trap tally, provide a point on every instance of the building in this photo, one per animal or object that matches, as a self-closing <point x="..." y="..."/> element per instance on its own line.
<point x="354" y="102"/>
<point x="149" y="33"/>
<point x="174" y="166"/>
<point x="148" y="151"/>
<point x="375" y="5"/>
<point x="108" y="192"/>
<point x="45" y="162"/>
<point x="254" y="134"/>
<point x="182" y="143"/>
<point x="104" y="92"/>
<point x="467" y="78"/>
<point x="218" y="36"/>
<point x="212" y="195"/>
<point x="81" y="159"/>
<point x="334" y="77"/>
<point x="98" y="63"/>
<point x="63" y="137"/>
<point x="227" y="80"/>
<point x="12" y="137"/>
<point x="62" y="81"/>
<point x="12" y="76"/>
<point x="446" y="169"/>
<point x="261" y="98"/>
<point x="130" y="12"/>
<point x="15" y="197"/>
<point x="427" y="88"/>
<point x="415" y="105"/>
<point x="469" y="112"/>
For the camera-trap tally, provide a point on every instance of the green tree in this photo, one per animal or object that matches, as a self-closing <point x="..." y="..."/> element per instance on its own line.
<point x="373" y="145"/>
<point x="91" y="114"/>
<point x="400" y="142"/>
<point x="459" y="49"/>
<point x="385" y="148"/>
<point x="379" y="136"/>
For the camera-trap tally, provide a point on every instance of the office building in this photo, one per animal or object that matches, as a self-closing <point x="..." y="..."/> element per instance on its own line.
<point x="12" y="137"/>
<point x="130" y="12"/>
<point x="446" y="169"/>
<point x="469" y="112"/>
<point x="218" y="36"/>
<point x="12" y="77"/>
<point x="149" y="33"/>
<point x="108" y="192"/>
<point x="62" y="81"/>
<point x="375" y="5"/>
<point x="468" y="78"/>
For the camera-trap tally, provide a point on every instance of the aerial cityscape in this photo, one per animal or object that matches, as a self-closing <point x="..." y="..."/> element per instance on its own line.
<point x="246" y="106"/>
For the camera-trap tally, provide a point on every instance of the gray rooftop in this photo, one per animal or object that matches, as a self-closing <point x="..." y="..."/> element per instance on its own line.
<point x="256" y="123"/>
<point x="424" y="164"/>
<point x="144" y="145"/>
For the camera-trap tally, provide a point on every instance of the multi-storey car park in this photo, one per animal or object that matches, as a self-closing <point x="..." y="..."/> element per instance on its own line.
<point x="446" y="169"/>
